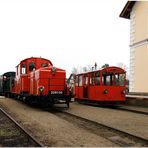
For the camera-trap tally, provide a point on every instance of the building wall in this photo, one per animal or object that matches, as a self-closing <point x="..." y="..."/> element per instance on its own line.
<point x="139" y="47"/>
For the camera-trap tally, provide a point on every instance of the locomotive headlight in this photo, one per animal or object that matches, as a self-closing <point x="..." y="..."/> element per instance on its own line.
<point x="105" y="91"/>
<point x="123" y="91"/>
<point x="41" y="88"/>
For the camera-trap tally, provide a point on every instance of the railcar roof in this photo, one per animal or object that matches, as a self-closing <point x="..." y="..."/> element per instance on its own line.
<point x="104" y="69"/>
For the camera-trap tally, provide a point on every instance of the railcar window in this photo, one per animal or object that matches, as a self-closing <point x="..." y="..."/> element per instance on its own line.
<point x="108" y="80"/>
<point x="97" y="78"/>
<point x="80" y="80"/>
<point x="76" y="81"/>
<point x="31" y="66"/>
<point x="85" y="80"/>
<point x="23" y="71"/>
<point x="92" y="79"/>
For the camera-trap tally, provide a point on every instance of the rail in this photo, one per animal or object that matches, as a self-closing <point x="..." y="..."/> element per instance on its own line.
<point x="112" y="134"/>
<point x="38" y="144"/>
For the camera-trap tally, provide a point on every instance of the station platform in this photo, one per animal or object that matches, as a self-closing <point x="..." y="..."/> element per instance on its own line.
<point x="137" y="100"/>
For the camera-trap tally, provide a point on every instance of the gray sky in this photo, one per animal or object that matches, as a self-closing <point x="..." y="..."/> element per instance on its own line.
<point x="70" y="33"/>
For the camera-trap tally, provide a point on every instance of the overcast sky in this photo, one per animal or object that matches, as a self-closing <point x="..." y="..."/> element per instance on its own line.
<point x="70" y="33"/>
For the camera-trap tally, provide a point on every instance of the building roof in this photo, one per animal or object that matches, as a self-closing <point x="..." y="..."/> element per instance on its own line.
<point x="127" y="9"/>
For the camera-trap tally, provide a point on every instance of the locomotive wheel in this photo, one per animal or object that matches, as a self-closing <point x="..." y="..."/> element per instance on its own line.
<point x="51" y="103"/>
<point x="45" y="103"/>
<point x="67" y="102"/>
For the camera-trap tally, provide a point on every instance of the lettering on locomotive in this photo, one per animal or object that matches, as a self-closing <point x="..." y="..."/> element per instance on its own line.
<point x="56" y="92"/>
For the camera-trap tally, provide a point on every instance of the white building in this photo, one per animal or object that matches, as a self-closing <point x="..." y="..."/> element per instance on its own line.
<point x="137" y="12"/>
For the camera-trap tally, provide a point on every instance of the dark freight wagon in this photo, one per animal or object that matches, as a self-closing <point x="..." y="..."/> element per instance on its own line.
<point x="7" y="83"/>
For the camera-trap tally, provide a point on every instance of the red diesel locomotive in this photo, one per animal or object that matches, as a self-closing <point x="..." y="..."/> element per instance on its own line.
<point x="38" y="81"/>
<point x="104" y="86"/>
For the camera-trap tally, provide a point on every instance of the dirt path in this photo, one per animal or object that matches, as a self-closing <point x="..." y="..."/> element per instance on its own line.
<point x="49" y="129"/>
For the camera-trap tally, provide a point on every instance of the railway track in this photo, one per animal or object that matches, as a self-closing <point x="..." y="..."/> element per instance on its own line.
<point x="116" y="136"/>
<point x="13" y="134"/>
<point x="131" y="110"/>
<point x="123" y="108"/>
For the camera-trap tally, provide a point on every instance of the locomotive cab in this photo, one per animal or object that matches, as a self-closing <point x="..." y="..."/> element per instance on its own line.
<point x="38" y="81"/>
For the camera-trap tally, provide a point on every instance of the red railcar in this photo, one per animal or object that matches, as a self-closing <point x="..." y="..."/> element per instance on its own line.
<point x="37" y="80"/>
<point x="107" y="86"/>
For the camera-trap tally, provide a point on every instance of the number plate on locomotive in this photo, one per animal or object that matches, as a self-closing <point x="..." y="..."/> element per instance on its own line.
<point x="56" y="92"/>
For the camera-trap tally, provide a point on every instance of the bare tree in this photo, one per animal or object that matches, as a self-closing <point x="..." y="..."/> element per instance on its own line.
<point x="122" y="65"/>
<point x="84" y="69"/>
<point x="105" y="65"/>
<point x="74" y="70"/>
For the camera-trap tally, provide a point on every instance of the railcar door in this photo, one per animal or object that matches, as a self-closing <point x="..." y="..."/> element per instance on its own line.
<point x="85" y="86"/>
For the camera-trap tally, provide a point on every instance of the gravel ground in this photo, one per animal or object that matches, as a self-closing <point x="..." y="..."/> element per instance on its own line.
<point x="50" y="129"/>
<point x="134" y="123"/>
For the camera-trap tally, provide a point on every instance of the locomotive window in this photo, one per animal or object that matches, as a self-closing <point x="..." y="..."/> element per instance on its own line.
<point x="97" y="79"/>
<point x="31" y="66"/>
<point x="80" y="80"/>
<point x="76" y="80"/>
<point x="23" y="71"/>
<point x="44" y="65"/>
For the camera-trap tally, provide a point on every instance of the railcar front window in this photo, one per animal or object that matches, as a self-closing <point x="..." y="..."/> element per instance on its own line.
<point x="121" y="79"/>
<point x="107" y="79"/>
<point x="116" y="79"/>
